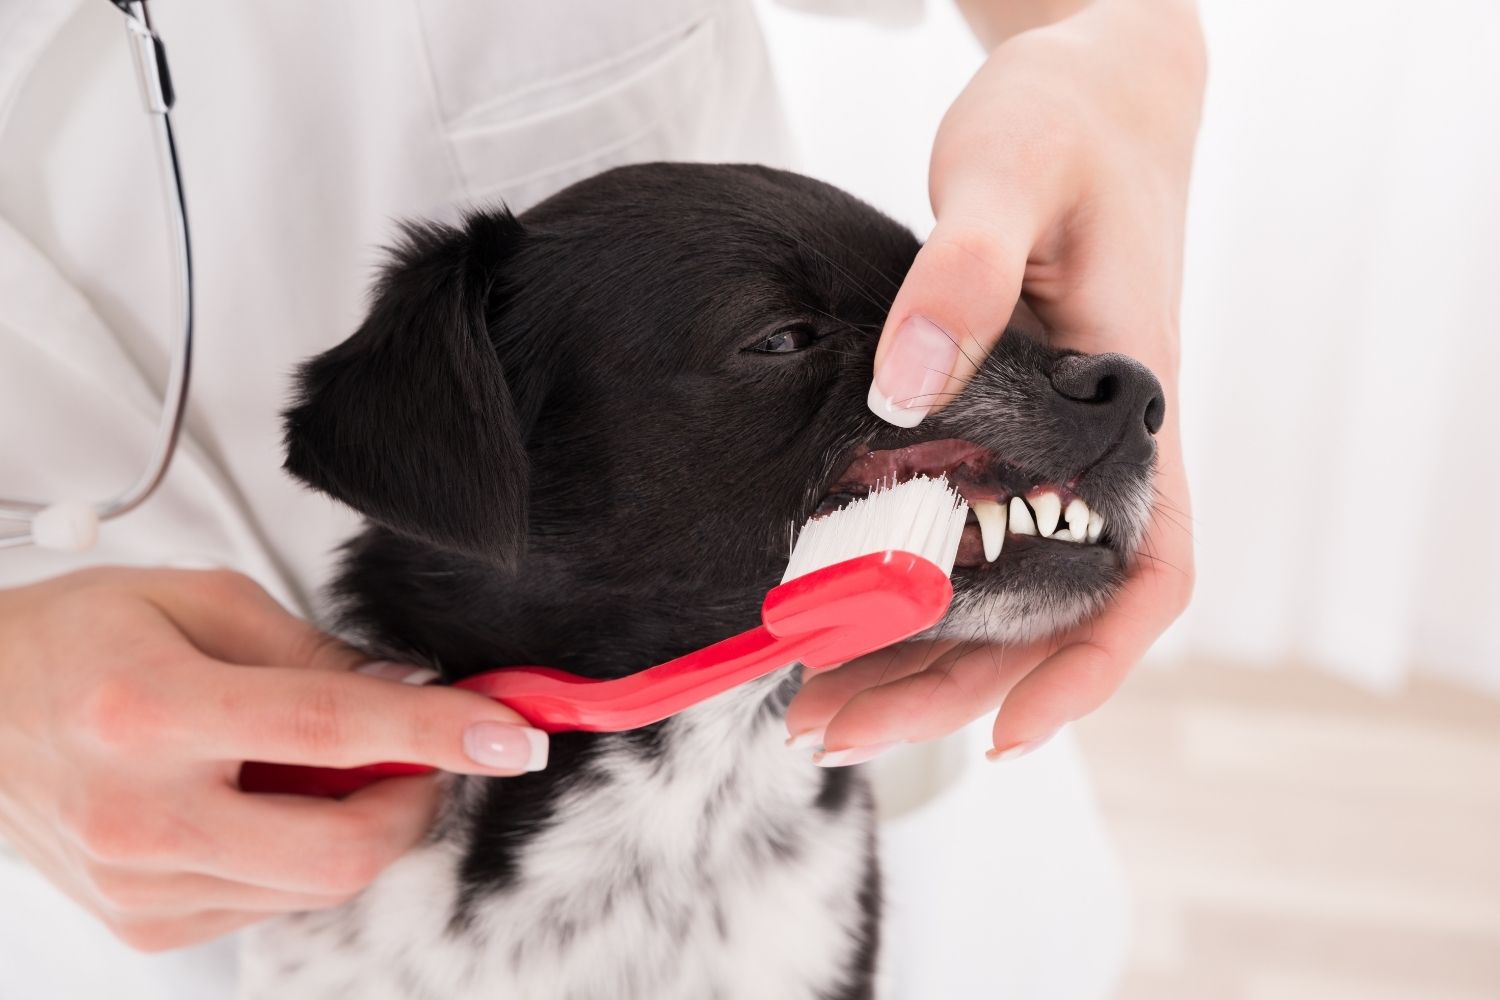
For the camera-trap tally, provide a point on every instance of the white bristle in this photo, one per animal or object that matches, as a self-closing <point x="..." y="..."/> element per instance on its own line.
<point x="922" y="516"/>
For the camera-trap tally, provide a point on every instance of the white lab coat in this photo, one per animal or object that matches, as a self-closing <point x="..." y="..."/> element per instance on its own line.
<point x="304" y="130"/>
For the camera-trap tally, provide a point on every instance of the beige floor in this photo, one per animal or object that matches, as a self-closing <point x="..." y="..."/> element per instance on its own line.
<point x="1289" y="838"/>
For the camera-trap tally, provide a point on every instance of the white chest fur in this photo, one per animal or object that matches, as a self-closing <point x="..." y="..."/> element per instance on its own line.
<point x="706" y="871"/>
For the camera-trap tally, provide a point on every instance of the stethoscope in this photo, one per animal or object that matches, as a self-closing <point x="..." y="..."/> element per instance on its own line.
<point x="73" y="525"/>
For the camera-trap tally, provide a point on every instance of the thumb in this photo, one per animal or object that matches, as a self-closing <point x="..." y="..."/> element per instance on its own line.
<point x="948" y="315"/>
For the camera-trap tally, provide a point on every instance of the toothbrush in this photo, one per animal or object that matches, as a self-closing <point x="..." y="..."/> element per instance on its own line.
<point x="859" y="579"/>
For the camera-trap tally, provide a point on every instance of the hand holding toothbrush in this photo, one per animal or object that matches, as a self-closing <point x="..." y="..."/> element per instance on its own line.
<point x="1059" y="174"/>
<point x="130" y="697"/>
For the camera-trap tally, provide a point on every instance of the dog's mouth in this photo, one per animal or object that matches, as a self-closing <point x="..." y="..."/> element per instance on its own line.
<point x="1009" y="511"/>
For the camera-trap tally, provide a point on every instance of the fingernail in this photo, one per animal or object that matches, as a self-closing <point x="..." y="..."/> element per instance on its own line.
<point x="912" y="373"/>
<point x="1016" y="750"/>
<point x="403" y="673"/>
<point x="806" y="740"/>
<point x="853" y="755"/>
<point x="505" y="747"/>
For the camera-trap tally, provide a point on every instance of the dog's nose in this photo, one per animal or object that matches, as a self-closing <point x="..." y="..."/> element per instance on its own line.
<point x="1112" y="401"/>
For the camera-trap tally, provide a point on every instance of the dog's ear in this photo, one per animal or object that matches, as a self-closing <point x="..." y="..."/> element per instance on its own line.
<point x="411" y="421"/>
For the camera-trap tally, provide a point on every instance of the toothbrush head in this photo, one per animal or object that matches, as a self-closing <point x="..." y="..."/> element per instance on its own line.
<point x="871" y="574"/>
<point x="922" y="516"/>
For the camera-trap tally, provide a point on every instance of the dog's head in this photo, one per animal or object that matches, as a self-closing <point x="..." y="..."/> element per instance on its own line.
<point x="633" y="392"/>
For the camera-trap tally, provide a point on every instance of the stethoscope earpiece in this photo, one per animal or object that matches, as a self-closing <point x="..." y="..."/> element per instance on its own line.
<point x="66" y="526"/>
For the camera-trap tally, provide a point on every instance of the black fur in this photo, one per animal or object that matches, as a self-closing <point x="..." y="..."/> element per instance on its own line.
<point x="572" y="455"/>
<point x="423" y="370"/>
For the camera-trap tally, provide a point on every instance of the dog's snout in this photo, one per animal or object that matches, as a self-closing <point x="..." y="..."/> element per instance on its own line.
<point x="1114" y="400"/>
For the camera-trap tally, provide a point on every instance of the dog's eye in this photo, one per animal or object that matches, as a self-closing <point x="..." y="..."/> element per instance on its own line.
<point x="786" y="340"/>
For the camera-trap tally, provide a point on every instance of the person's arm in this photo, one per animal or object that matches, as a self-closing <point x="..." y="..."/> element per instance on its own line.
<point x="1060" y="173"/>
<point x="130" y="698"/>
<point x="993" y="21"/>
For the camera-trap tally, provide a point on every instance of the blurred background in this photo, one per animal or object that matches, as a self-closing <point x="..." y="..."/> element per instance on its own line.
<point x="1304" y="780"/>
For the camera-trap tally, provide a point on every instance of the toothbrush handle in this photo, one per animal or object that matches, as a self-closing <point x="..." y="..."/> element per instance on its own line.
<point x="551" y="686"/>
<point x="826" y="617"/>
<point x="320" y="782"/>
<point x="556" y="701"/>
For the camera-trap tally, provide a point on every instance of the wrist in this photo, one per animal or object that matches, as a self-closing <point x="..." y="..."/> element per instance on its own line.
<point x="995" y="22"/>
<point x="1168" y="33"/>
<point x="1172" y="22"/>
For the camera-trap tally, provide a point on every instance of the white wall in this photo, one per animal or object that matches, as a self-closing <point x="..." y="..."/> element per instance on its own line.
<point x="1341" y="319"/>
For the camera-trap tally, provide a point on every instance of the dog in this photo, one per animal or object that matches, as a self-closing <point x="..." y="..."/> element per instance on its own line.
<point x="579" y="438"/>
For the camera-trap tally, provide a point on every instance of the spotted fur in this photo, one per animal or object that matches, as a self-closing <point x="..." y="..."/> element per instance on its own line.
<point x="571" y="451"/>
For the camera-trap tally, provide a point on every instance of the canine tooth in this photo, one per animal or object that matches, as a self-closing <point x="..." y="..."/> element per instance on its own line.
<point x="991" y="518"/>
<point x="1020" y="518"/>
<point x="1048" y="507"/>
<point x="1096" y="526"/>
<point x="1077" y="516"/>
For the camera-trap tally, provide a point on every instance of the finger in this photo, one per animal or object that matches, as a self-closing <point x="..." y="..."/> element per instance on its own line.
<point x="287" y="715"/>
<point x="825" y="693"/>
<point x="1083" y="674"/>
<point x="152" y="935"/>
<point x="230" y="617"/>
<point x="317" y="847"/>
<point x="1096" y="301"/>
<point x="950" y="311"/>
<point x="963" y="683"/>
<point x="142" y="895"/>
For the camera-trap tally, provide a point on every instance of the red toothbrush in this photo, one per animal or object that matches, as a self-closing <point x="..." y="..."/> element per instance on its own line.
<point x="859" y="579"/>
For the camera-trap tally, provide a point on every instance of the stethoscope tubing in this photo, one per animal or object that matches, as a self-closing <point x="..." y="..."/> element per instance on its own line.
<point x="158" y="95"/>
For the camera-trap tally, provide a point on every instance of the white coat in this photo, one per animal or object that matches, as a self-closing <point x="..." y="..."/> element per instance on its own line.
<point x="304" y="130"/>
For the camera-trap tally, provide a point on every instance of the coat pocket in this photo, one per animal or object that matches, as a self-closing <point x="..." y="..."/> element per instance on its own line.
<point x="645" y="103"/>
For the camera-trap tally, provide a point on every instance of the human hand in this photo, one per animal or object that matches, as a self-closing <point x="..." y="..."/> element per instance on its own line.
<point x="1059" y="173"/>
<point x="132" y="697"/>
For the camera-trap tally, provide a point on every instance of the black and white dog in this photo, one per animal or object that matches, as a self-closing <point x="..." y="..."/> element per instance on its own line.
<point x="580" y="438"/>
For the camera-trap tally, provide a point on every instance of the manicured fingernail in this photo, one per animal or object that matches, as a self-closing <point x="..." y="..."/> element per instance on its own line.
<point x="806" y="740"/>
<point x="505" y="747"/>
<point x="913" y="372"/>
<point x="403" y="673"/>
<point x="853" y="755"/>
<point x="1016" y="750"/>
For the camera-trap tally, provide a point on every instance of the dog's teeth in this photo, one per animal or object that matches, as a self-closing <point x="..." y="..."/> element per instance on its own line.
<point x="1020" y="518"/>
<point x="991" y="517"/>
<point x="1077" y="516"/>
<point x="1096" y="526"/>
<point x="1048" y="507"/>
